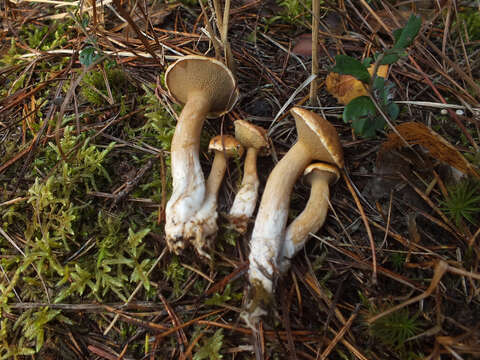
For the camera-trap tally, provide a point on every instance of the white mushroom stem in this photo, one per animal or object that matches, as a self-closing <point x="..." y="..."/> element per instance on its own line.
<point x="204" y="224"/>
<point x="268" y="232"/>
<point x="187" y="175"/>
<point x="246" y="198"/>
<point x="309" y="221"/>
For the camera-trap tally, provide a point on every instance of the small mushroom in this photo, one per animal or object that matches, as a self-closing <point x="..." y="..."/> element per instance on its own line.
<point x="320" y="176"/>
<point x="203" y="228"/>
<point x="254" y="139"/>
<point x="317" y="140"/>
<point x="207" y="88"/>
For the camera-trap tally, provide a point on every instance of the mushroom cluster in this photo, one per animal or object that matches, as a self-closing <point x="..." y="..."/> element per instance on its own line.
<point x="207" y="88"/>
<point x="271" y="246"/>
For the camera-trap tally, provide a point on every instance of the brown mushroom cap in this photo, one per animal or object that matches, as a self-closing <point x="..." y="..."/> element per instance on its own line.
<point x="250" y="135"/>
<point x="331" y="170"/>
<point x="320" y="135"/>
<point x="226" y="143"/>
<point x="194" y="74"/>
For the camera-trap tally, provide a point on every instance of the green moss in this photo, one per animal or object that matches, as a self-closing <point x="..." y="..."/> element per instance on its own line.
<point x="294" y="12"/>
<point x="43" y="38"/>
<point x="177" y="275"/>
<point x="94" y="89"/>
<point x="470" y="17"/>
<point x="210" y="347"/>
<point x="220" y="299"/>
<point x="160" y="127"/>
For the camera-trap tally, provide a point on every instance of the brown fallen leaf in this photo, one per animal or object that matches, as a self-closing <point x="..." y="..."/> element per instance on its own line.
<point x="419" y="134"/>
<point x="303" y="45"/>
<point x="346" y="88"/>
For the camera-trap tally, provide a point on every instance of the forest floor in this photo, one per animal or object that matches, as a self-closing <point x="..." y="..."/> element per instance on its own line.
<point x="86" y="125"/>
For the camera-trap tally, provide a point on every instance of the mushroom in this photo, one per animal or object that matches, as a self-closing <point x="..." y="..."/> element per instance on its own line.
<point x="320" y="176"/>
<point x="203" y="227"/>
<point x="207" y="89"/>
<point x="317" y="140"/>
<point x="254" y="138"/>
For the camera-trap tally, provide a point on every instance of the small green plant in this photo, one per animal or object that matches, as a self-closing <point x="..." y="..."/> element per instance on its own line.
<point x="469" y="19"/>
<point x="177" y="274"/>
<point x="463" y="201"/>
<point x="44" y="39"/>
<point x="33" y="324"/>
<point x="160" y="126"/>
<point x="295" y="12"/>
<point x="367" y="113"/>
<point x="211" y="347"/>
<point x="398" y="261"/>
<point x="227" y="295"/>
<point x="394" y="329"/>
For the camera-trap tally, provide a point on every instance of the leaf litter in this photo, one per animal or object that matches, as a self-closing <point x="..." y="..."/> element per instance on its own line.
<point x="68" y="275"/>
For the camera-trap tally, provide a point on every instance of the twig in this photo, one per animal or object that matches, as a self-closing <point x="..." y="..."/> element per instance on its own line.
<point x="438" y="273"/>
<point x="315" y="26"/>
<point x="340" y="334"/>
<point x="211" y="33"/>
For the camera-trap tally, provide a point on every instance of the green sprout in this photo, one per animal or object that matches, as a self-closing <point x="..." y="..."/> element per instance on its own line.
<point x="463" y="201"/>
<point x="367" y="113"/>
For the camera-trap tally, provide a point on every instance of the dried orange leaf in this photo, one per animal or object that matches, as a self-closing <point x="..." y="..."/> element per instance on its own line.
<point x="418" y="134"/>
<point x="345" y="88"/>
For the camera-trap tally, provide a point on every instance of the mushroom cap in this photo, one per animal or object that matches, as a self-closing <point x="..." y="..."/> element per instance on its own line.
<point x="327" y="169"/>
<point x="251" y="136"/>
<point x="319" y="135"/>
<point x="227" y="144"/>
<point x="200" y="74"/>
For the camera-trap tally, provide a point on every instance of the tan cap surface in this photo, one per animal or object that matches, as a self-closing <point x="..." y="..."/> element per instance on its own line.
<point x="226" y="143"/>
<point x="320" y="135"/>
<point x="323" y="167"/>
<point x="251" y="135"/>
<point x="201" y="74"/>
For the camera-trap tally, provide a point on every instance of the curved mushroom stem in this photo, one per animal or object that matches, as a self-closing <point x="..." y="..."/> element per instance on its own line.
<point x="204" y="224"/>
<point x="310" y="220"/>
<point x="217" y="172"/>
<point x="268" y="232"/>
<point x="246" y="198"/>
<point x="187" y="175"/>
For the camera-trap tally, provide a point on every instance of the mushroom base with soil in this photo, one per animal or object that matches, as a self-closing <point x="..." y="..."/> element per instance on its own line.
<point x="202" y="228"/>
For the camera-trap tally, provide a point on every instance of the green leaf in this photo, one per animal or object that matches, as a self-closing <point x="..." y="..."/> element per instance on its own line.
<point x="367" y="62"/>
<point x="391" y="56"/>
<point x="88" y="56"/>
<point x="367" y="127"/>
<point x="393" y="110"/>
<point x="359" y="107"/>
<point x="347" y="65"/>
<point x="363" y="114"/>
<point x="405" y="36"/>
<point x="397" y="33"/>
